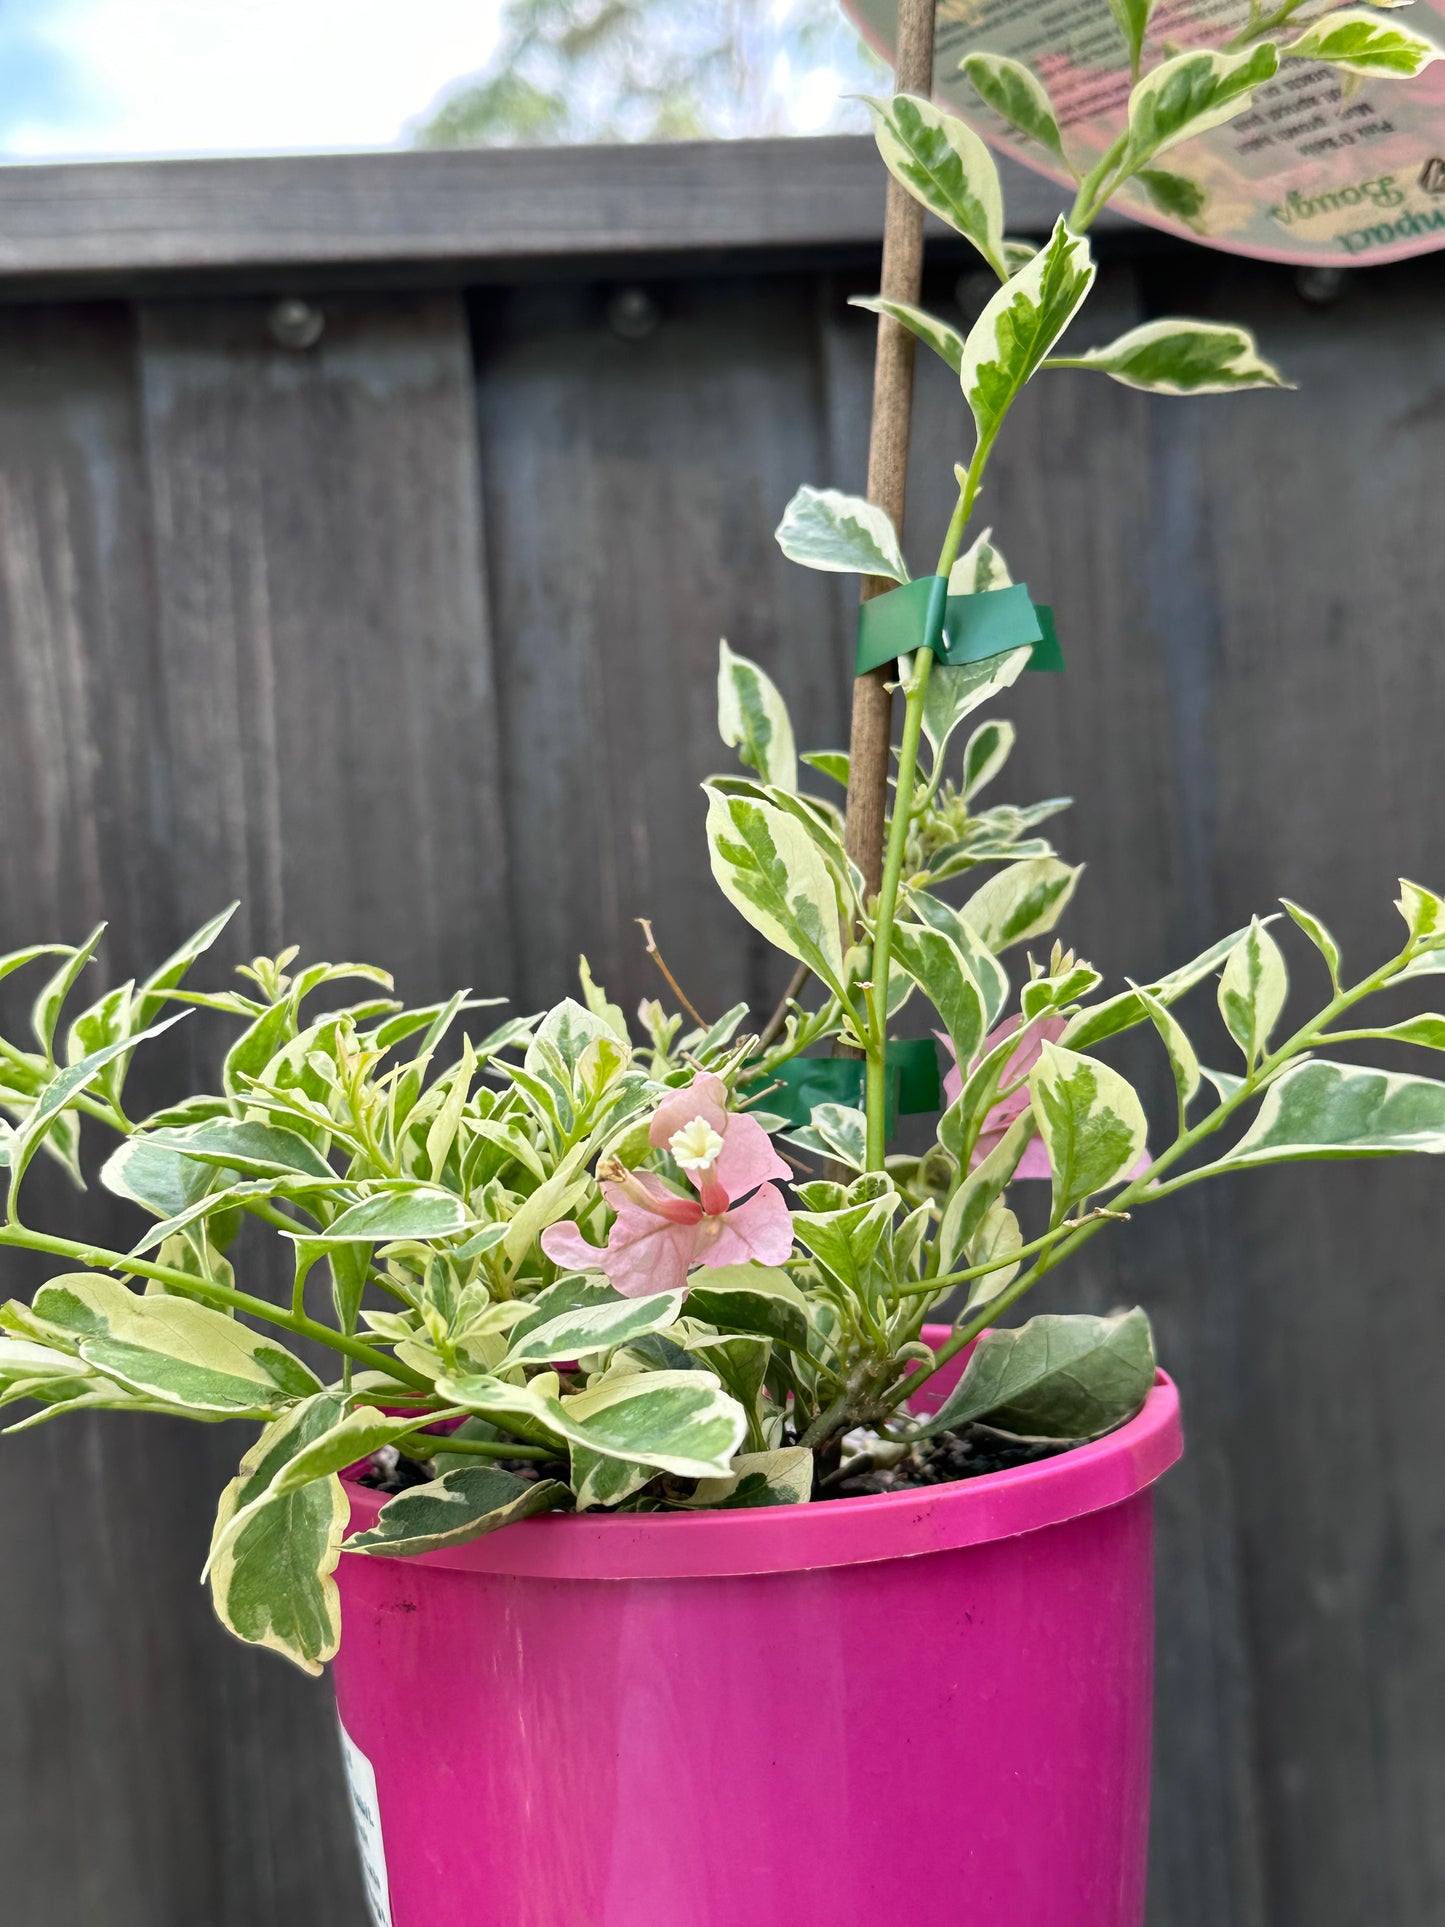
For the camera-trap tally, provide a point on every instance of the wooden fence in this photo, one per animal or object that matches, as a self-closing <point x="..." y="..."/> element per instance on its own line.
<point x="407" y="639"/>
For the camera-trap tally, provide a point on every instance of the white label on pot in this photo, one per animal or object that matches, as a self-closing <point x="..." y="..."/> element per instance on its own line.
<point x="361" y="1784"/>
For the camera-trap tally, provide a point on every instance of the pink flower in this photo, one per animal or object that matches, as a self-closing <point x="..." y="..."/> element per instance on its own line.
<point x="659" y="1234"/>
<point x="1041" y="1030"/>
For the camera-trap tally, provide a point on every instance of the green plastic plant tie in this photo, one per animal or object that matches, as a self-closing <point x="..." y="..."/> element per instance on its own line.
<point x="914" y="1084"/>
<point x="958" y="629"/>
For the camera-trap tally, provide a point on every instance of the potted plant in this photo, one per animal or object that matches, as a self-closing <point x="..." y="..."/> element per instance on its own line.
<point x="690" y="1569"/>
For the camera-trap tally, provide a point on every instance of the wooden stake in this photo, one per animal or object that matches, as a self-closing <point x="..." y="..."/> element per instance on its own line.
<point x="871" y="737"/>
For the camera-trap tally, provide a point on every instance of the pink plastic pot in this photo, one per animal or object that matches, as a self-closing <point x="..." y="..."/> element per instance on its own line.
<point x="925" y="1708"/>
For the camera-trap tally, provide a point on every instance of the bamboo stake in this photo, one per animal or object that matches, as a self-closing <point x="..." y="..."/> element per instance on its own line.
<point x="871" y="737"/>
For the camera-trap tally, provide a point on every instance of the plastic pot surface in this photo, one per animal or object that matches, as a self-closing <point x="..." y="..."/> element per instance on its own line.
<point x="924" y="1708"/>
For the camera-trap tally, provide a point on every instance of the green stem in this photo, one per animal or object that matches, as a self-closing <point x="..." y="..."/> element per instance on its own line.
<point x="876" y="1075"/>
<point x="186" y="1282"/>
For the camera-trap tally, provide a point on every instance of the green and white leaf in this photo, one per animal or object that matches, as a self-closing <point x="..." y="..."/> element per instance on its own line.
<point x="1362" y="43"/>
<point x="236" y="1144"/>
<point x="1188" y="95"/>
<point x="1133" y="19"/>
<point x="945" y="165"/>
<point x="941" y="336"/>
<point x="1091" y="1122"/>
<point x="752" y="1298"/>
<point x="994" y="1244"/>
<point x="824" y="529"/>
<point x="1020" y="325"/>
<point x="594" y="1328"/>
<point x="1252" y="989"/>
<point x="783" y="1477"/>
<point x="1123" y="1010"/>
<point x="1422" y="909"/>
<point x="771" y="870"/>
<point x="1318" y="936"/>
<point x="985" y="753"/>
<point x="981" y="567"/>
<point x="1024" y="900"/>
<point x="1322" y="1109"/>
<point x="61" y="1091"/>
<point x="940" y="970"/>
<point x="1183" y="1061"/>
<point x="752" y="718"/>
<point x="837" y="1131"/>
<point x="987" y="972"/>
<point x="955" y="692"/>
<point x="174" y="1349"/>
<point x="1018" y="96"/>
<point x="680" y="1422"/>
<point x="418" y="1211"/>
<point x="271" y="1577"/>
<point x="1181" y="358"/>
<point x="1062" y="1377"/>
<point x="462" y="1505"/>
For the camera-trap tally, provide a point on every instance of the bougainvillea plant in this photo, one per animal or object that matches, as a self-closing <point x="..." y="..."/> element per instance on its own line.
<point x="564" y="1266"/>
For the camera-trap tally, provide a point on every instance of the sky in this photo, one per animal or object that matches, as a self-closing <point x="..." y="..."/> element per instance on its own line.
<point x="84" y="79"/>
<point x="95" y="79"/>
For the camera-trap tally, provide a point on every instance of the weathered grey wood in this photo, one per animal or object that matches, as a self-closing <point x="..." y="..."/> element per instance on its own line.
<point x="327" y="210"/>
<point x="410" y="638"/>
<point x="631" y="488"/>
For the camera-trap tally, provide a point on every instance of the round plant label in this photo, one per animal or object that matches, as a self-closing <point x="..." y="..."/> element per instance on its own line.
<point x="1329" y="162"/>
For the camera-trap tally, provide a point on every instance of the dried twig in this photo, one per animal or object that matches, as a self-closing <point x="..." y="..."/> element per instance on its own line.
<point x="773" y="1028"/>
<point x="677" y="989"/>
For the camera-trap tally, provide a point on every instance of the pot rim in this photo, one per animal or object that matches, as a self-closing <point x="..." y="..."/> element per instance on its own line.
<point x="837" y="1532"/>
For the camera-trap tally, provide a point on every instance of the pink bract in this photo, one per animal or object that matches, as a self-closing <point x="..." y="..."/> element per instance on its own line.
<point x="659" y="1234"/>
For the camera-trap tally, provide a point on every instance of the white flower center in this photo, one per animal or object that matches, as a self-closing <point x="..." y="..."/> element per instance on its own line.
<point x="696" y="1146"/>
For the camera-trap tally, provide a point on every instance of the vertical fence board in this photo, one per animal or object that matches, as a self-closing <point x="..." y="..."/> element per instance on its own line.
<point x="632" y="486"/>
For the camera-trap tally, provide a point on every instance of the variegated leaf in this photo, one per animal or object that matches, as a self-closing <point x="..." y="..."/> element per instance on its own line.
<point x="770" y="869"/>
<point x="593" y="1328"/>
<point x="752" y="718"/>
<point x="941" y="971"/>
<point x="1189" y="94"/>
<point x="1018" y="96"/>
<point x="783" y="1477"/>
<point x="462" y="1505"/>
<point x="1321" y="1109"/>
<point x="1123" y="1010"/>
<point x="1181" y="358"/>
<point x="939" y="335"/>
<point x="1362" y="43"/>
<point x="1091" y="1122"/>
<point x="979" y="569"/>
<point x="943" y="164"/>
<point x="1318" y="936"/>
<point x="1020" y="325"/>
<point x="61" y="1091"/>
<point x="1252" y="989"/>
<point x="824" y="529"/>
<point x="1182" y="1059"/>
<point x="680" y="1422"/>
<point x="1023" y="901"/>
<point x="271" y="1579"/>
<point x="955" y="692"/>
<point x="174" y="1349"/>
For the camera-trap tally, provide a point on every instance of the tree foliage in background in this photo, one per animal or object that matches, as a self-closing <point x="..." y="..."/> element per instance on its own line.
<point x="640" y="70"/>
